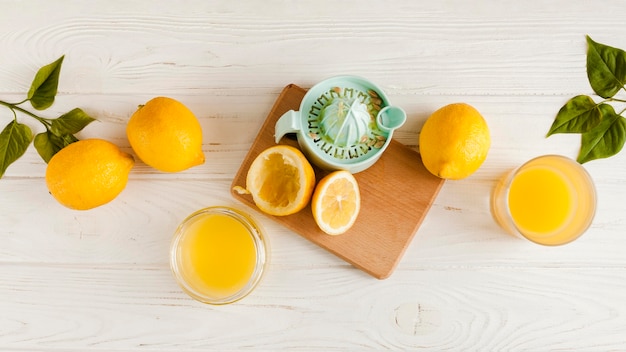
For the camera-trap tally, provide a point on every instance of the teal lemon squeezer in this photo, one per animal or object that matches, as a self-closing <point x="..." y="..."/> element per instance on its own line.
<point x="343" y="123"/>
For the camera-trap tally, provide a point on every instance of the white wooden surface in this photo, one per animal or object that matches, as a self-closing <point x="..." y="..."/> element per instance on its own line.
<point x="99" y="280"/>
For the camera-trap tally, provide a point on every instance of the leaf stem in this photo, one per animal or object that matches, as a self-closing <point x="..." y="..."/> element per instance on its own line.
<point x="14" y="107"/>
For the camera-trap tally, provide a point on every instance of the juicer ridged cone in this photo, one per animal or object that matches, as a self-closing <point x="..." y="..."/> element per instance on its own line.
<point x="345" y="121"/>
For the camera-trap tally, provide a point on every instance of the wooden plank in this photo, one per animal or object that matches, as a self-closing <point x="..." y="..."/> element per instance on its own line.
<point x="396" y="194"/>
<point x="99" y="280"/>
<point x="127" y="308"/>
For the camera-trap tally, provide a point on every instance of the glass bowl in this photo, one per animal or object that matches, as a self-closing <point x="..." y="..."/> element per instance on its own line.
<point x="218" y="255"/>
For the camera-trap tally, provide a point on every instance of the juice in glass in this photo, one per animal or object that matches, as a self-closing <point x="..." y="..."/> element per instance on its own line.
<point x="549" y="200"/>
<point x="218" y="255"/>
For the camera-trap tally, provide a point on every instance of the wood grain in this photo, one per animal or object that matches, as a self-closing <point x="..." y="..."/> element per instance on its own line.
<point x="424" y="47"/>
<point x="122" y="308"/>
<point x="100" y="280"/>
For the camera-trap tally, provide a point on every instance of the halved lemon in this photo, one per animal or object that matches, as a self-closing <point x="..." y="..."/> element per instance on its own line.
<point x="281" y="180"/>
<point x="336" y="202"/>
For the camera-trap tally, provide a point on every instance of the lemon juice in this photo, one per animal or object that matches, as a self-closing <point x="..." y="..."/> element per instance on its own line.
<point x="218" y="255"/>
<point x="549" y="200"/>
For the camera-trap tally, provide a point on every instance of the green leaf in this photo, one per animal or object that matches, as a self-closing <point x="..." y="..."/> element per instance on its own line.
<point x="44" y="146"/>
<point x="578" y="115"/>
<point x="44" y="87"/>
<point x="606" y="68"/>
<point x="48" y="144"/>
<point x="604" y="140"/>
<point x="14" y="140"/>
<point x="71" y="122"/>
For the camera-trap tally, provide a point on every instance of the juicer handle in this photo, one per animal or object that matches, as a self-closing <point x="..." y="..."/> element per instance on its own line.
<point x="288" y="123"/>
<point x="390" y="118"/>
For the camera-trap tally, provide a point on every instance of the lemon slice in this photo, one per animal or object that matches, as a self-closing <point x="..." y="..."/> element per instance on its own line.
<point x="336" y="202"/>
<point x="281" y="180"/>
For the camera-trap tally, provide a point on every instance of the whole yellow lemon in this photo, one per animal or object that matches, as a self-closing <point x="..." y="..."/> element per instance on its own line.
<point x="166" y="135"/>
<point x="88" y="173"/>
<point x="454" y="141"/>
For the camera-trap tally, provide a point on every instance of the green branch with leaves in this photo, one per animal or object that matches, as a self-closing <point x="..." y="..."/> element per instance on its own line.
<point x="16" y="137"/>
<point x="603" y="131"/>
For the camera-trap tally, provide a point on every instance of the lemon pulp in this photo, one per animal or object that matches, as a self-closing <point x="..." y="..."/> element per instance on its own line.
<point x="336" y="202"/>
<point x="281" y="182"/>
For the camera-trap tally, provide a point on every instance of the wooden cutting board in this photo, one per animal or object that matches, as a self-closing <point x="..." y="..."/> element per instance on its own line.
<point x="396" y="194"/>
